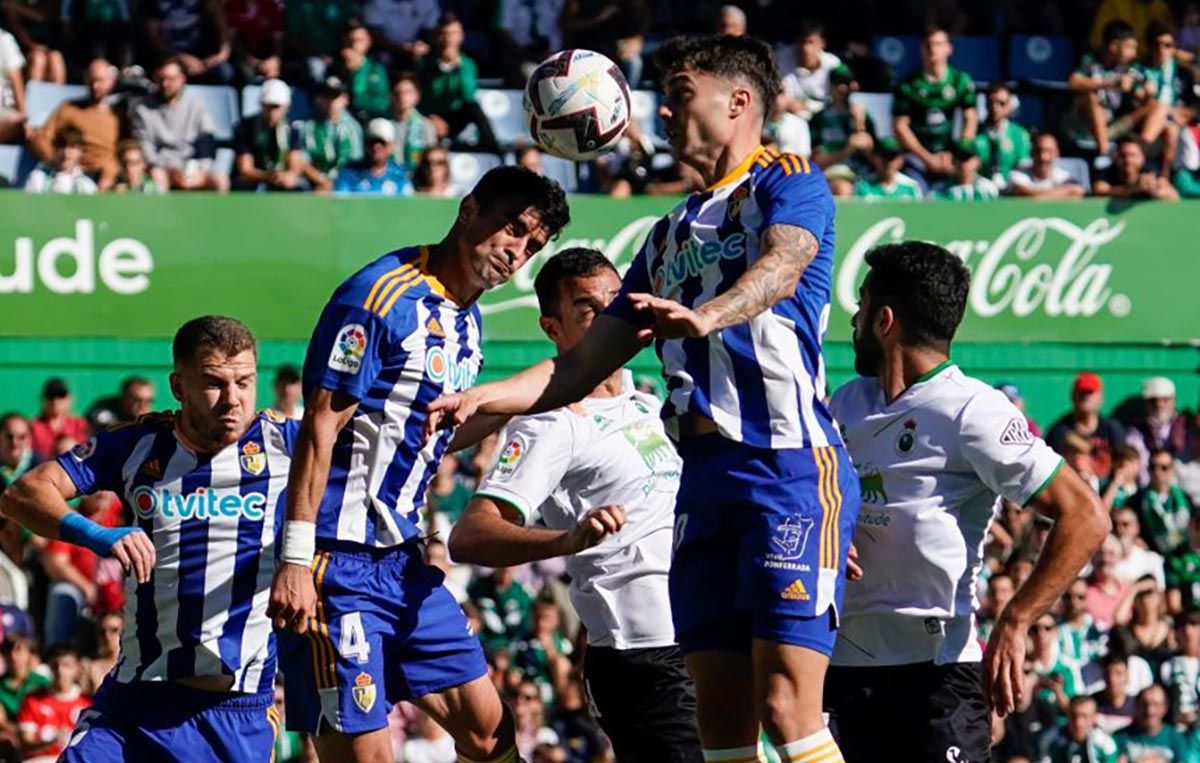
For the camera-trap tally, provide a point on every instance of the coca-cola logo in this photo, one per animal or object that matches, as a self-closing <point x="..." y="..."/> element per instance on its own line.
<point x="1037" y="265"/>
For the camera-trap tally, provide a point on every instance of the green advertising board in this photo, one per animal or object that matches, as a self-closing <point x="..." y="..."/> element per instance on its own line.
<point x="136" y="267"/>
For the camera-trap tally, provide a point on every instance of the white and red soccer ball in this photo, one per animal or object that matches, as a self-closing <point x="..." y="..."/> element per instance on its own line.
<point x="577" y="105"/>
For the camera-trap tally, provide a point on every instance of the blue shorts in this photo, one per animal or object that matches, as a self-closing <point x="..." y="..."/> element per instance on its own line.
<point x="158" y="722"/>
<point x="386" y="630"/>
<point x="761" y="538"/>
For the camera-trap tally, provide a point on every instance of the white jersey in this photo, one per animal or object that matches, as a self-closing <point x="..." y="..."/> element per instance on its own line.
<point x="602" y="452"/>
<point x="932" y="466"/>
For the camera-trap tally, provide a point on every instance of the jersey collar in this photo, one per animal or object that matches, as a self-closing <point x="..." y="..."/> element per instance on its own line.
<point x="934" y="371"/>
<point x="737" y="172"/>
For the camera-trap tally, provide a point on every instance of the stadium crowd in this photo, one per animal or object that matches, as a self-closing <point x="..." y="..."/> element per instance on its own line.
<point x="1114" y="670"/>
<point x="353" y="96"/>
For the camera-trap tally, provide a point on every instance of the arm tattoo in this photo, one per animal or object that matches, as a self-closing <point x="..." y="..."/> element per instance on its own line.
<point x="786" y="252"/>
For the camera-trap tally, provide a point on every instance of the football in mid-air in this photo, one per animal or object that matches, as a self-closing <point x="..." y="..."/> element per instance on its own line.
<point x="577" y="104"/>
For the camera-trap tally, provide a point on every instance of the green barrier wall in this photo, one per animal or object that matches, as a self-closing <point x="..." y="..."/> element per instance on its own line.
<point x="92" y="288"/>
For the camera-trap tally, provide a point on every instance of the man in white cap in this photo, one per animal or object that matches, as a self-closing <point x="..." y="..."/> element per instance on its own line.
<point x="1161" y="426"/>
<point x="378" y="173"/>
<point x="267" y="158"/>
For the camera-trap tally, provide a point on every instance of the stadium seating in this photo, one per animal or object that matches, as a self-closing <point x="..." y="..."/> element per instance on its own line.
<point x="466" y="169"/>
<point x="301" y="108"/>
<point x="503" y="108"/>
<point x="644" y="105"/>
<point x="879" y="107"/>
<point x="901" y="52"/>
<point x="222" y="104"/>
<point x="1034" y="57"/>
<point x="562" y="170"/>
<point x="1078" y="170"/>
<point x="977" y="56"/>
<point x="42" y="98"/>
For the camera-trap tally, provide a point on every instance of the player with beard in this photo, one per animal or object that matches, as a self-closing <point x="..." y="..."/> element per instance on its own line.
<point x="935" y="450"/>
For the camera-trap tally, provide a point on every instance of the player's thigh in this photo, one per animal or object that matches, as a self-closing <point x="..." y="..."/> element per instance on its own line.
<point x="956" y="714"/>
<point x="645" y="702"/>
<point x="367" y="747"/>
<point x="789" y="686"/>
<point x="724" y="682"/>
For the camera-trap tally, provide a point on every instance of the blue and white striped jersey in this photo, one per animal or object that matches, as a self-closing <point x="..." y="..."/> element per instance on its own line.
<point x="390" y="339"/>
<point x="213" y="519"/>
<point x="762" y="382"/>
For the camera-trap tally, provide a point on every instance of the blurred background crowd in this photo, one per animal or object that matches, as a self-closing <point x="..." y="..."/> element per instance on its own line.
<point x="913" y="99"/>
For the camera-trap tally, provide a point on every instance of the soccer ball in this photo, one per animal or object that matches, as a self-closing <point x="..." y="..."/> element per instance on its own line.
<point x="577" y="105"/>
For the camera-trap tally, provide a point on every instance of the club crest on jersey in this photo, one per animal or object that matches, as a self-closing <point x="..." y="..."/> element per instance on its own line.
<point x="736" y="200"/>
<point x="253" y="459"/>
<point x="1016" y="432"/>
<point x="511" y="455"/>
<point x="907" y="438"/>
<point x="364" y="692"/>
<point x="152" y="469"/>
<point x="791" y="538"/>
<point x="349" y="348"/>
<point x="870" y="484"/>
<point x="84" y="450"/>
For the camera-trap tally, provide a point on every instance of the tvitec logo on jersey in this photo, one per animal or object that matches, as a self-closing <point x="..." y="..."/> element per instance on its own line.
<point x="202" y="504"/>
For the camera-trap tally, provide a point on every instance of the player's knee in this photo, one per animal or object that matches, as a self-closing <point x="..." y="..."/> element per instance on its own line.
<point x="777" y="711"/>
<point x="485" y="744"/>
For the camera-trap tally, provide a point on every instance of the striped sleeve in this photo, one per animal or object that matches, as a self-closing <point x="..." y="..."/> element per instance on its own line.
<point x="792" y="191"/>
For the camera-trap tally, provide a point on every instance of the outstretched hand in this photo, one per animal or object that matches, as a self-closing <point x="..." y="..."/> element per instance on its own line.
<point x="671" y="319"/>
<point x="450" y="411"/>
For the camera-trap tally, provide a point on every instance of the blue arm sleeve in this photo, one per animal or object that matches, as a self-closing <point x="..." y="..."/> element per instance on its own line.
<point x="346" y="351"/>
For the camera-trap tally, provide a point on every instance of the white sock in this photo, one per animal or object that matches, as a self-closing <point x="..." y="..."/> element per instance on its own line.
<point x="752" y="754"/>
<point x="814" y="748"/>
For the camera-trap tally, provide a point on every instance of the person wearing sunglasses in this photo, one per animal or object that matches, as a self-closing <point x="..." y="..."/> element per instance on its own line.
<point x="1172" y="86"/>
<point x="1002" y="145"/>
<point x="1162" y="505"/>
<point x="1059" y="678"/>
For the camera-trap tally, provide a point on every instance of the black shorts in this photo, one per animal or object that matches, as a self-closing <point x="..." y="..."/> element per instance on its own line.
<point x="645" y="702"/>
<point x="922" y="713"/>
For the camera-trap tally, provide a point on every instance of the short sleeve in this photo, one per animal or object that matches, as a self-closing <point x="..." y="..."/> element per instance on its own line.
<point x="346" y="351"/>
<point x="637" y="280"/>
<point x="532" y="464"/>
<point x="966" y="91"/>
<point x="794" y="198"/>
<point x="95" y="464"/>
<point x="996" y="441"/>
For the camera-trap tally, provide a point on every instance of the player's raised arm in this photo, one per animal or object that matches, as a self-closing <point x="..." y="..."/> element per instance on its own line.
<point x="38" y="501"/>
<point x="488" y="534"/>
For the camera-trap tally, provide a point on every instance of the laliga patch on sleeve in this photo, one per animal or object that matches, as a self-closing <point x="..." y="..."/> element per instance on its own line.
<point x="84" y="450"/>
<point x="348" y="349"/>
<point x="511" y="455"/>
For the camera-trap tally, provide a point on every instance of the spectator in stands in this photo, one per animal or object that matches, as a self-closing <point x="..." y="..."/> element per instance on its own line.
<point x="313" y="33"/>
<point x="12" y="90"/>
<point x="968" y="184"/>
<point x="331" y="139"/>
<point x="1003" y="145"/>
<point x="1079" y="639"/>
<point x="135" y="399"/>
<point x="1183" y="571"/>
<point x="448" y="496"/>
<point x="20" y="677"/>
<point x="1136" y="560"/>
<point x="1149" y="737"/>
<point x="806" y="87"/>
<point x="1044" y="179"/>
<point x="615" y="28"/>
<point x="525" y="32"/>
<point x="256" y="34"/>
<point x="1162" y="507"/>
<point x="378" y="173"/>
<point x="1172" y="85"/>
<point x="530" y="157"/>
<point x="16" y="448"/>
<point x="428" y="742"/>
<point x="98" y="29"/>
<point x="432" y="177"/>
<point x="889" y="181"/>
<point x="108" y="649"/>
<point x="925" y="106"/>
<point x="1112" y="100"/>
<point x="1137" y="14"/>
<point x="1115" y="705"/>
<point x="505" y="606"/>
<point x="64" y="172"/>
<point x="1130" y="178"/>
<point x="1080" y="739"/>
<point x="176" y="133"/>
<point x="55" y="420"/>
<point x="1160" y="425"/>
<point x="414" y="131"/>
<point x="194" y="33"/>
<point x="576" y="728"/>
<point x="448" y="80"/>
<point x="77" y="578"/>
<point x="402" y="28"/>
<point x="529" y="713"/>
<point x="731" y="21"/>
<point x="842" y="133"/>
<point x="1120" y="487"/>
<point x="1110" y="599"/>
<point x="289" y="398"/>
<point x="135" y="175"/>
<point x="1025" y="728"/>
<point x="545" y="656"/>
<point x="1060" y="678"/>
<point x="1084" y="418"/>
<point x="48" y="716"/>
<point x="366" y="78"/>
<point x="94" y="118"/>
<point x="35" y="24"/>
<point x="267" y="157"/>
<point x="1181" y="672"/>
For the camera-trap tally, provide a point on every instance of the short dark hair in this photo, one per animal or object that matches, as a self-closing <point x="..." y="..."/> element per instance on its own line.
<point x="809" y="27"/>
<point x="1113" y="657"/>
<point x="933" y="29"/>
<point x="68" y="136"/>
<point x="577" y="261"/>
<point x="1080" y="699"/>
<point x="129" y="382"/>
<point x="448" y="18"/>
<point x="1191" y="617"/>
<point x="61" y="650"/>
<point x="171" y="61"/>
<point x="287" y="374"/>
<point x="724" y="56"/>
<point x="999" y="85"/>
<point x="1118" y="30"/>
<point x="407" y="76"/>
<point x="1131" y="139"/>
<point x="217" y="332"/>
<point x="924" y="284"/>
<point x="503" y="184"/>
<point x="11" y="416"/>
<point x="1156" y="29"/>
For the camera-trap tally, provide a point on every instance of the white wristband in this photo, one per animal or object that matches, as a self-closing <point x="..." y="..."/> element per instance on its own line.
<point x="299" y="543"/>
